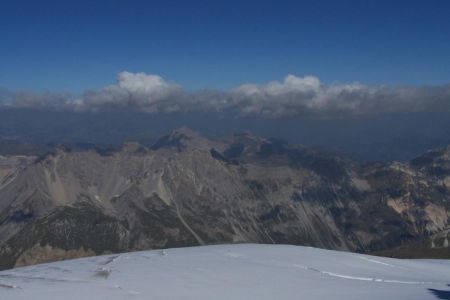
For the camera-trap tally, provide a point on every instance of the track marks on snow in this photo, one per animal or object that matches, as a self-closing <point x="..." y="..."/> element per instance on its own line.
<point x="359" y="278"/>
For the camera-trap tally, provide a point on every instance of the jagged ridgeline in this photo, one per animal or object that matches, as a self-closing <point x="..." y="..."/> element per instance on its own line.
<point x="188" y="190"/>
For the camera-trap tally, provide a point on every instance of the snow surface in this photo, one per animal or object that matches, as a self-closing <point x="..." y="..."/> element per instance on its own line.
<point x="243" y="271"/>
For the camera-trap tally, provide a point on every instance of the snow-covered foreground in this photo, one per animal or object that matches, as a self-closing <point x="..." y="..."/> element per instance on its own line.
<point x="231" y="272"/>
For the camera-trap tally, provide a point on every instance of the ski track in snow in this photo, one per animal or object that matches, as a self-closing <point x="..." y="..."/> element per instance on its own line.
<point x="111" y="259"/>
<point x="376" y="261"/>
<point x="332" y="274"/>
<point x="9" y="286"/>
<point x="41" y="278"/>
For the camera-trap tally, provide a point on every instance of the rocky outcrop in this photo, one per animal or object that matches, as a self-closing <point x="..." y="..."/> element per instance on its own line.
<point x="188" y="190"/>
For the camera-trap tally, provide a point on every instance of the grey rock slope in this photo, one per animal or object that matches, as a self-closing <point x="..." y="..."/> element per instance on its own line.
<point x="188" y="190"/>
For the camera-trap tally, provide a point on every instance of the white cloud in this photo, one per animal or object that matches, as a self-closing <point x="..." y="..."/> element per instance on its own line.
<point x="290" y="84"/>
<point x="151" y="86"/>
<point x="291" y="97"/>
<point x="132" y="90"/>
<point x="295" y="95"/>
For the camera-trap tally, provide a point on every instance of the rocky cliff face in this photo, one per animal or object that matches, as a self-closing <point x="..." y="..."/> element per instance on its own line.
<point x="188" y="190"/>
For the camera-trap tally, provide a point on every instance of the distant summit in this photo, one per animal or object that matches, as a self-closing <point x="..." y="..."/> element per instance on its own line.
<point x="183" y="138"/>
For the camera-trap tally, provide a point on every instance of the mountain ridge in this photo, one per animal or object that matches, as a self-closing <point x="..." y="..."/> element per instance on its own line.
<point x="189" y="190"/>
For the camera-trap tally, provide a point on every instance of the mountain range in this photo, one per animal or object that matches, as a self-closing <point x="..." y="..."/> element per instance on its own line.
<point x="189" y="190"/>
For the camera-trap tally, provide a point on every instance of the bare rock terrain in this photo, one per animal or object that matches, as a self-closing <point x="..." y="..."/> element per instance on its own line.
<point x="187" y="190"/>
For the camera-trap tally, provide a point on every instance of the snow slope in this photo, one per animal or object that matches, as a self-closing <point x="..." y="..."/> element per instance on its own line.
<point x="231" y="272"/>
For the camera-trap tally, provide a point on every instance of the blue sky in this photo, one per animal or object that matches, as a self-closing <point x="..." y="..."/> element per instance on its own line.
<point x="78" y="45"/>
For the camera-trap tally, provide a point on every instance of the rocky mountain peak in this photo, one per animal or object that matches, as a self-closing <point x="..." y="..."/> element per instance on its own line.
<point x="134" y="148"/>
<point x="185" y="132"/>
<point x="434" y="162"/>
<point x="184" y="138"/>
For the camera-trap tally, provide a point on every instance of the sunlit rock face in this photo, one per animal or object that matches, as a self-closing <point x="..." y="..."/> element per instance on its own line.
<point x="188" y="190"/>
